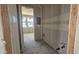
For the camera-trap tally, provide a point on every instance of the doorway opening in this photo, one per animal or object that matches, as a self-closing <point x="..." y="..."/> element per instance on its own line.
<point x="28" y="27"/>
<point x="28" y="23"/>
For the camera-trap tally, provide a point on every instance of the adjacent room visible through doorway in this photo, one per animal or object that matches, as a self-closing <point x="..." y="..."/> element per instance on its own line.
<point x="31" y="44"/>
<point x="28" y="23"/>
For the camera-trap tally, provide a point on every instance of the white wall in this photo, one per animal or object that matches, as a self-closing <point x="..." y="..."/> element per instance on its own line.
<point x="55" y="25"/>
<point x="63" y="26"/>
<point x="2" y="45"/>
<point x="37" y="28"/>
<point x="50" y="30"/>
<point x="14" y="28"/>
<point x="76" y="46"/>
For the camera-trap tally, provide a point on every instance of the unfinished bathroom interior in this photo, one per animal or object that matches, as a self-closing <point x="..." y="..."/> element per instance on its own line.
<point x="45" y="30"/>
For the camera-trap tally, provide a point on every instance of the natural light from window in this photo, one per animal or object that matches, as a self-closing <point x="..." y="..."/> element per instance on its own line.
<point x="27" y="21"/>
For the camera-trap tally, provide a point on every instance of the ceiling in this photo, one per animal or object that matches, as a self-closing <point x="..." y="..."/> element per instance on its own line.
<point x="27" y="11"/>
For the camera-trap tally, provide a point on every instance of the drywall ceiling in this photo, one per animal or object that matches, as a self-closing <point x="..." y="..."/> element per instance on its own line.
<point x="27" y="11"/>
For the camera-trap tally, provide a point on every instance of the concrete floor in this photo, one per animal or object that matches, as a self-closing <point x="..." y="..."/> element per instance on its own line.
<point x="36" y="47"/>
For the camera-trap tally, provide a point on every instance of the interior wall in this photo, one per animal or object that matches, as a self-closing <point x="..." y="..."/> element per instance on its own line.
<point x="2" y="45"/>
<point x="76" y="46"/>
<point x="37" y="27"/>
<point x="55" y="25"/>
<point x="14" y="28"/>
<point x="64" y="26"/>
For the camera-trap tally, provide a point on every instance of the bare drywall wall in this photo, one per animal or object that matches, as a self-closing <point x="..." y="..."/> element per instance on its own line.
<point x="50" y="25"/>
<point x="14" y="28"/>
<point x="64" y="26"/>
<point x="55" y="25"/>
<point x="38" y="27"/>
<point x="76" y="46"/>
<point x="2" y="45"/>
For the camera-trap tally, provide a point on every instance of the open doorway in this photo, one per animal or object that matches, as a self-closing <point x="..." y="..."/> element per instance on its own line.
<point x="28" y="26"/>
<point x="28" y="23"/>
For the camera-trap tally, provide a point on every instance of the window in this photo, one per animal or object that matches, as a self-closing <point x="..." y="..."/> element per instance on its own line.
<point x="30" y="21"/>
<point x="24" y="21"/>
<point x="27" y="21"/>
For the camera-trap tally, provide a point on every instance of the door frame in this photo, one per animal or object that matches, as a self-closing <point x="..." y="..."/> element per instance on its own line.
<point x="72" y="28"/>
<point x="6" y="28"/>
<point x="21" y="38"/>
